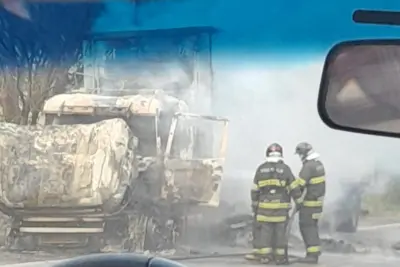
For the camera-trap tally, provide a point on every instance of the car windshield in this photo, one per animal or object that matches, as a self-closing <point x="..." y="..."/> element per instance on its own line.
<point x="209" y="86"/>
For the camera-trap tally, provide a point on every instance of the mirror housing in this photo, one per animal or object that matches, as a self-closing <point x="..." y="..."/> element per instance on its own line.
<point x="360" y="87"/>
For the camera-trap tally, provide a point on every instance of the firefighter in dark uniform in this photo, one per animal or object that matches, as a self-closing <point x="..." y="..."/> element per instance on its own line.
<point x="273" y="187"/>
<point x="312" y="181"/>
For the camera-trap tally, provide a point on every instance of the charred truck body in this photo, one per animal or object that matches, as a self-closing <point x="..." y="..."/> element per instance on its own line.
<point x="109" y="171"/>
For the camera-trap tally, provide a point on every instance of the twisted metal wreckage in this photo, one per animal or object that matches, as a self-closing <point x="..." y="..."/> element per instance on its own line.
<point x="109" y="171"/>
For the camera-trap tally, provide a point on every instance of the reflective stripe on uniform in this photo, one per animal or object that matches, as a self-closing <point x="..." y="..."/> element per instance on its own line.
<point x="312" y="203"/>
<point x="280" y="251"/>
<point x="314" y="249"/>
<point x="269" y="182"/>
<point x="251" y="257"/>
<point x="317" y="180"/>
<point x="262" y="251"/>
<point x="316" y="216"/>
<point x="274" y="205"/>
<point x="314" y="180"/>
<point x="263" y="218"/>
<point x="255" y="187"/>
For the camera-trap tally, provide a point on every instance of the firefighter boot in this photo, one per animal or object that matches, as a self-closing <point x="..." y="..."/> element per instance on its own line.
<point x="281" y="256"/>
<point x="252" y="257"/>
<point x="281" y="261"/>
<point x="309" y="259"/>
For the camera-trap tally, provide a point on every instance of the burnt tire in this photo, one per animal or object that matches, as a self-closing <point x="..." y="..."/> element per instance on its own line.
<point x="353" y="211"/>
<point x="350" y="225"/>
<point x="10" y="241"/>
<point x="21" y="243"/>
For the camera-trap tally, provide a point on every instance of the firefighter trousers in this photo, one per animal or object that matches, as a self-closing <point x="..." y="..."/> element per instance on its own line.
<point x="271" y="240"/>
<point x="308" y="223"/>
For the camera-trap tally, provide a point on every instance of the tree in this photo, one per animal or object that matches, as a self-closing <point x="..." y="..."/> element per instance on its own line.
<point x="36" y="54"/>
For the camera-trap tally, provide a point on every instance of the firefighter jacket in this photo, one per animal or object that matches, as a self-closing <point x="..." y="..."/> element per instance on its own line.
<point x="273" y="187"/>
<point x="312" y="178"/>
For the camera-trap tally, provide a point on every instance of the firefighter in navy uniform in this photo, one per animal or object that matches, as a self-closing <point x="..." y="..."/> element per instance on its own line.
<point x="273" y="187"/>
<point x="312" y="180"/>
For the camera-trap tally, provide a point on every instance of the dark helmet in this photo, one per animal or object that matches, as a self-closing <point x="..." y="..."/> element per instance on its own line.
<point x="274" y="150"/>
<point x="303" y="149"/>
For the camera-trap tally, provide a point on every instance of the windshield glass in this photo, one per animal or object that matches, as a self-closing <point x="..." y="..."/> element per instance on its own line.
<point x="256" y="64"/>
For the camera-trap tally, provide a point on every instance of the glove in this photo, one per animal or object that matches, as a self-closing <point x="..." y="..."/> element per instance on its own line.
<point x="298" y="206"/>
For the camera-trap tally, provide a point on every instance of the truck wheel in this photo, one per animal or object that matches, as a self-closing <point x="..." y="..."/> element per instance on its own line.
<point x="350" y="225"/>
<point x="10" y="239"/>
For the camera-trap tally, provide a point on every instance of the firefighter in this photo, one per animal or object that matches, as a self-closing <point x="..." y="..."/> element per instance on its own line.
<point x="273" y="187"/>
<point x="312" y="181"/>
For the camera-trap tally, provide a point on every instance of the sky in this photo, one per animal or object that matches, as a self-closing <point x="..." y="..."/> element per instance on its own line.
<point x="255" y="26"/>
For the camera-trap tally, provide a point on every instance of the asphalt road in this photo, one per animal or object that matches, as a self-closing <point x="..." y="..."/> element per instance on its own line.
<point x="330" y="260"/>
<point x="377" y="237"/>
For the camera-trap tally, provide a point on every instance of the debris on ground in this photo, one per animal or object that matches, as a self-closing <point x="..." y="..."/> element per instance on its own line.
<point x="337" y="246"/>
<point x="236" y="231"/>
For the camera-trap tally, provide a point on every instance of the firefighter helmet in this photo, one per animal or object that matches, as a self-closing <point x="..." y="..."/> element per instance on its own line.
<point x="303" y="149"/>
<point x="274" y="150"/>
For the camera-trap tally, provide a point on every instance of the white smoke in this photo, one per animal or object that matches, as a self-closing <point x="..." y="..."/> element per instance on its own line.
<point x="279" y="104"/>
<point x="268" y="103"/>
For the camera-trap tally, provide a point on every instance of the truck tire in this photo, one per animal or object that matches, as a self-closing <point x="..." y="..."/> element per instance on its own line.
<point x="350" y="225"/>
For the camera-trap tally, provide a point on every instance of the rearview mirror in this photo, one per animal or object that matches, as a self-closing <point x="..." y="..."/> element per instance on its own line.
<point x="360" y="87"/>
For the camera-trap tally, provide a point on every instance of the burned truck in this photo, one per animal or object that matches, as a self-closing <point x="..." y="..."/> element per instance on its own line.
<point x="109" y="171"/>
<point x="343" y="213"/>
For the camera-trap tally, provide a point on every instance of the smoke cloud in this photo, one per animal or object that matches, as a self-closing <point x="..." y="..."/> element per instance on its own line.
<point x="266" y="103"/>
<point x="278" y="103"/>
